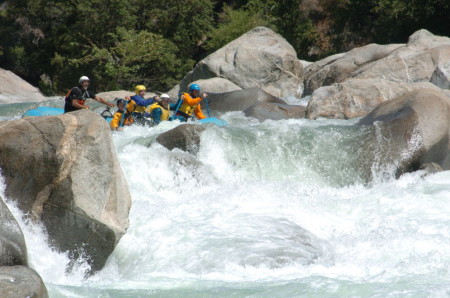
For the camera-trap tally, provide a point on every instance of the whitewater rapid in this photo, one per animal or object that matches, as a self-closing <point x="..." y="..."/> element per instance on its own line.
<point x="228" y="220"/>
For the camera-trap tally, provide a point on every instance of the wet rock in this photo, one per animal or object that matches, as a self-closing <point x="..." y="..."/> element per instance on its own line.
<point x="63" y="171"/>
<point x="13" y="250"/>
<point x="185" y="137"/>
<point x="21" y="281"/>
<point x="411" y="131"/>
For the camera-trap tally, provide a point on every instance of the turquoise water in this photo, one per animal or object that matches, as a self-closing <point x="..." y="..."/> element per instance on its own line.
<point x="230" y="220"/>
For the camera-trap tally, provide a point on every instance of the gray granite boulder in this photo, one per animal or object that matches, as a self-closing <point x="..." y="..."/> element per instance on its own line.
<point x="63" y="171"/>
<point x="412" y="62"/>
<point x="356" y="97"/>
<point x="185" y="137"/>
<point x="240" y="100"/>
<point x="259" y="58"/>
<point x="13" y="89"/>
<point x="410" y="131"/>
<point x="21" y="281"/>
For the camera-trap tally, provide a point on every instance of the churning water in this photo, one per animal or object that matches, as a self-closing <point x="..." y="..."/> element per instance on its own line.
<point x="231" y="218"/>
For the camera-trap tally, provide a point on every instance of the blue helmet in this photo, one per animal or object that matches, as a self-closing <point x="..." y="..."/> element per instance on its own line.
<point x="121" y="100"/>
<point x="194" y="87"/>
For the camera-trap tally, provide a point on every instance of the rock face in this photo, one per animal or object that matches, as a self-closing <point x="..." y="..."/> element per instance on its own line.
<point x="259" y="58"/>
<point x="356" y="97"/>
<point x="351" y="84"/>
<point x="15" y="90"/>
<point x="240" y="100"/>
<point x="338" y="68"/>
<point x="217" y="85"/>
<point x="63" y="170"/>
<point x="441" y="76"/>
<point x="415" y="128"/>
<point x="20" y="281"/>
<point x="13" y="250"/>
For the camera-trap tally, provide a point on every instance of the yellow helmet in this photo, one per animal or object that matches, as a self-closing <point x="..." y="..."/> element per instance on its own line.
<point x="139" y="88"/>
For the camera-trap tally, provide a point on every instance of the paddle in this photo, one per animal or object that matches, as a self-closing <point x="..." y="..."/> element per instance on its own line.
<point x="176" y="110"/>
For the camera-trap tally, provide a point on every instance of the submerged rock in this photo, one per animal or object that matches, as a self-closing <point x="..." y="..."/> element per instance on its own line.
<point x="63" y="171"/>
<point x="185" y="137"/>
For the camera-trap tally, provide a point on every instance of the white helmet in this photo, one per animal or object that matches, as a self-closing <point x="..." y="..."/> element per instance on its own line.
<point x="83" y="78"/>
<point x="164" y="95"/>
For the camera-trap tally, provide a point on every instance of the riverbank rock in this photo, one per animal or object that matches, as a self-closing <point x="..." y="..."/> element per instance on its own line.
<point x="20" y="281"/>
<point x="356" y="97"/>
<point x="339" y="67"/>
<point x="412" y="62"/>
<point x="410" y="131"/>
<point x="240" y="100"/>
<point x="13" y="89"/>
<point x="259" y="58"/>
<point x="64" y="172"/>
<point x="13" y="250"/>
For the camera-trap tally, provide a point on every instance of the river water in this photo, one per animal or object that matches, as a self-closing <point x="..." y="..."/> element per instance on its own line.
<point x="227" y="221"/>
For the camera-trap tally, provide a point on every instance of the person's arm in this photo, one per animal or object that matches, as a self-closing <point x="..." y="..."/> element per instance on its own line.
<point x="191" y="101"/>
<point x="101" y="100"/>
<point x="77" y="104"/>
<point x="198" y="112"/>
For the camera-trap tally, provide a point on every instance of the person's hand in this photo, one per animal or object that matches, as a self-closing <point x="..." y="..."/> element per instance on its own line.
<point x="86" y="107"/>
<point x="204" y="95"/>
<point x="111" y="105"/>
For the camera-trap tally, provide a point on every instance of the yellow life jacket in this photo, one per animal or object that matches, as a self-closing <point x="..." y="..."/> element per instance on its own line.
<point x="185" y="107"/>
<point x="133" y="107"/>
<point x="165" y="112"/>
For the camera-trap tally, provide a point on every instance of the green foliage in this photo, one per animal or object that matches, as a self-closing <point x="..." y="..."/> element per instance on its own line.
<point x="233" y="23"/>
<point x="118" y="43"/>
<point x="359" y="22"/>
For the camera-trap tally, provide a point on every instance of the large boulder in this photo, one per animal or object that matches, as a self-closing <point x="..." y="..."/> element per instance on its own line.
<point x="13" y="89"/>
<point x="217" y="85"/>
<point x="410" y="131"/>
<point x="63" y="170"/>
<point x="414" y="62"/>
<point x="259" y="58"/>
<point x="13" y="250"/>
<point x="411" y="62"/>
<point x="339" y="67"/>
<point x="240" y="100"/>
<point x="21" y="281"/>
<point x="356" y="97"/>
